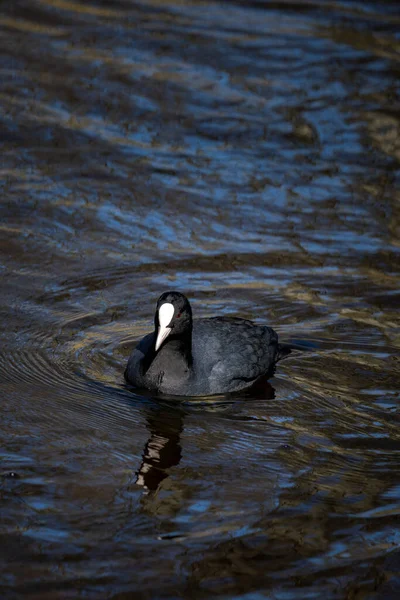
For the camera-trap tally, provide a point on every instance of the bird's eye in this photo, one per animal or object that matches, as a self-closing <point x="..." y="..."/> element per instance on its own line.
<point x="178" y="315"/>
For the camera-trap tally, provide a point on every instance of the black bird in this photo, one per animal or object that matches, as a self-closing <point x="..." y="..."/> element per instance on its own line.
<point x="201" y="357"/>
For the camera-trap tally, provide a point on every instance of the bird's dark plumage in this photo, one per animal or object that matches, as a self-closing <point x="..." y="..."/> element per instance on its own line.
<point x="200" y="357"/>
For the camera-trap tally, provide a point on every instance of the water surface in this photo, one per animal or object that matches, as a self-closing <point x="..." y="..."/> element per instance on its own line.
<point x="247" y="154"/>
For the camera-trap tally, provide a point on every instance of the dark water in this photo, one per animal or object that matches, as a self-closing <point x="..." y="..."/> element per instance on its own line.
<point x="247" y="154"/>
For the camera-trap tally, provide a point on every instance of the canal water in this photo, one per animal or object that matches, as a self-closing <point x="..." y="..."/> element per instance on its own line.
<point x="247" y="154"/>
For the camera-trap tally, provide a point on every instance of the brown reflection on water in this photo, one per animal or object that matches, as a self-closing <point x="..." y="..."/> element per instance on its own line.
<point x="162" y="451"/>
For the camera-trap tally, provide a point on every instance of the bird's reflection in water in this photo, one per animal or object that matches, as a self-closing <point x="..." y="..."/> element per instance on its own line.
<point x="165" y="424"/>
<point x="163" y="449"/>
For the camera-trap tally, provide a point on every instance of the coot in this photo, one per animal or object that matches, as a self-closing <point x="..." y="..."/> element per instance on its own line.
<point x="201" y="357"/>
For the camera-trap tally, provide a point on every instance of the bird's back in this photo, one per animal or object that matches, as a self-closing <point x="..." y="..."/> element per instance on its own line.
<point x="230" y="353"/>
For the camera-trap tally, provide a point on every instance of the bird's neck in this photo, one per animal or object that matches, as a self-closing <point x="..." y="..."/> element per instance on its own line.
<point x="181" y="347"/>
<point x="179" y="351"/>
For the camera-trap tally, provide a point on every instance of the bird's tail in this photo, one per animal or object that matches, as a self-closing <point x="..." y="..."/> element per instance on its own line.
<point x="283" y="351"/>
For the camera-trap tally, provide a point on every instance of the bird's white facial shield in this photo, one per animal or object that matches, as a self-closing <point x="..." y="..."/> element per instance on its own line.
<point x="165" y="314"/>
